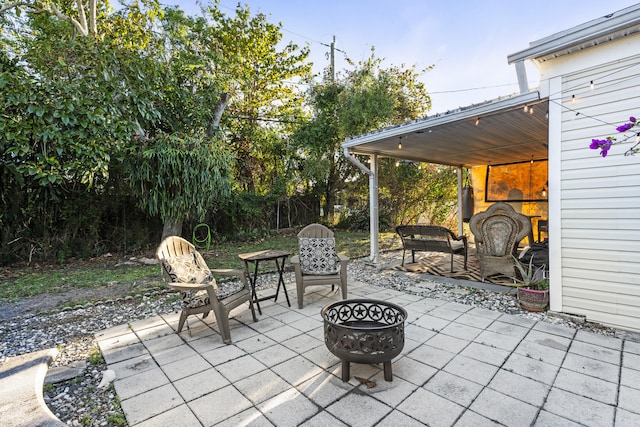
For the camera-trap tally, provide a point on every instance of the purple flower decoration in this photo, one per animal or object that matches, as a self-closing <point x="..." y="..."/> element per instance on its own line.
<point x="605" y="144"/>
<point x="601" y="144"/>
<point x="625" y="127"/>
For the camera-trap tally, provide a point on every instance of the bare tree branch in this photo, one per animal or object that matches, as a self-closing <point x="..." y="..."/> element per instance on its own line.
<point x="82" y="16"/>
<point x="93" y="29"/>
<point x="75" y="23"/>
<point x="12" y="5"/>
<point x="52" y="9"/>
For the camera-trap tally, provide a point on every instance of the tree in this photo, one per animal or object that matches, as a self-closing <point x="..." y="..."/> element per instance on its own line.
<point x="75" y="102"/>
<point x="412" y="192"/>
<point x="180" y="166"/>
<point x="66" y="110"/>
<point x="264" y="102"/>
<point x="123" y="81"/>
<point x="366" y="98"/>
<point x="178" y="177"/>
<point x="83" y="17"/>
<point x="220" y="64"/>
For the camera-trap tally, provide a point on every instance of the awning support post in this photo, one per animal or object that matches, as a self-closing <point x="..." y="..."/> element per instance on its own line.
<point x="372" y="171"/>
<point x="460" y="219"/>
<point x="374" y="256"/>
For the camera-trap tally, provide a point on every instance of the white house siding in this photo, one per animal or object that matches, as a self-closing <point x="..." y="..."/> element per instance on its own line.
<point x="600" y="198"/>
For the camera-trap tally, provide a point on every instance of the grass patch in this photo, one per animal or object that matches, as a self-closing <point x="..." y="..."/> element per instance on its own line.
<point x="95" y="358"/>
<point x="31" y="281"/>
<point x="354" y="244"/>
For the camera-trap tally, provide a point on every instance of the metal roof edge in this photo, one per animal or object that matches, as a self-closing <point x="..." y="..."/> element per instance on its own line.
<point x="609" y="24"/>
<point x="440" y="119"/>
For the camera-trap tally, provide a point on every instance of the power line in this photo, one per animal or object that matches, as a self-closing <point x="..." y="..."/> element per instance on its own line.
<point x="473" y="88"/>
<point x="266" y="119"/>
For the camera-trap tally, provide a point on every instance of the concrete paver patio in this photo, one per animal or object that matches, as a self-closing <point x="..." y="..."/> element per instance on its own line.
<point x="461" y="366"/>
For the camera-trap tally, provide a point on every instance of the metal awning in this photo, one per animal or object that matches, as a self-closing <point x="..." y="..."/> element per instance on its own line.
<point x="507" y="130"/>
<point x="494" y="132"/>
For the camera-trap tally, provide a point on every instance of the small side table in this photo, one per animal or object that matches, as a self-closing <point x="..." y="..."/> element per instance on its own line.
<point x="269" y="255"/>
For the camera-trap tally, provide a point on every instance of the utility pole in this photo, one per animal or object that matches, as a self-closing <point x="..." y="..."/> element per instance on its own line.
<point x="333" y="59"/>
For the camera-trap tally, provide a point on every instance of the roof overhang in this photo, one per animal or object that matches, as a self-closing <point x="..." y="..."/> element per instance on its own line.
<point x="601" y="30"/>
<point x="495" y="132"/>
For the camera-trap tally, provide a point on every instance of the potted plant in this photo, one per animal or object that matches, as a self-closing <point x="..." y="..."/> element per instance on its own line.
<point x="533" y="289"/>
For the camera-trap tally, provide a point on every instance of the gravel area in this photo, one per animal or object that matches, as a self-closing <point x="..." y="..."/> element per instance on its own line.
<point x="79" y="401"/>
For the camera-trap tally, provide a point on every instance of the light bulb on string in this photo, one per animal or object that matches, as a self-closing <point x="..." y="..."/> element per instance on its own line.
<point x="400" y="144"/>
<point x="592" y="85"/>
<point x="573" y="99"/>
<point x="477" y="121"/>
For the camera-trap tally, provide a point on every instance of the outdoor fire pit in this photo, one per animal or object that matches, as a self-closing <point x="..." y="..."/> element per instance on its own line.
<point x="364" y="331"/>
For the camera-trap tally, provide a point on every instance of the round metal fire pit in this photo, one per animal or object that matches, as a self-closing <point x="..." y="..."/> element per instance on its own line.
<point x="364" y="331"/>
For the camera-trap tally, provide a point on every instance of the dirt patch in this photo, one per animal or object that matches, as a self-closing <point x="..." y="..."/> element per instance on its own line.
<point x="55" y="301"/>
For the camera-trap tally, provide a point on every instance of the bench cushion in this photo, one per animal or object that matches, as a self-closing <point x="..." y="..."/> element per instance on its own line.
<point x="457" y="245"/>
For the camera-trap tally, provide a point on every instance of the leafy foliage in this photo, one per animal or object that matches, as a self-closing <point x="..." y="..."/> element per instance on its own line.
<point x="66" y="120"/>
<point x="62" y="131"/>
<point x="418" y="192"/>
<point x="189" y="118"/>
<point x="177" y="177"/>
<point x="366" y="98"/>
<point x="264" y="103"/>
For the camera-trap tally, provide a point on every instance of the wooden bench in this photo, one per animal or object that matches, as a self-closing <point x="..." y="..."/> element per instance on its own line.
<point x="431" y="238"/>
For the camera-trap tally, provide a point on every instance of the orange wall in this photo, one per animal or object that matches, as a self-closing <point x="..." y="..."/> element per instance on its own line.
<point x="539" y="210"/>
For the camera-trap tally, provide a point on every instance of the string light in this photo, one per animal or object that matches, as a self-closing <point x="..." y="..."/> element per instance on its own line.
<point x="526" y="109"/>
<point x="400" y="144"/>
<point x="592" y="86"/>
<point x="531" y="110"/>
<point x="617" y="71"/>
<point x="477" y="121"/>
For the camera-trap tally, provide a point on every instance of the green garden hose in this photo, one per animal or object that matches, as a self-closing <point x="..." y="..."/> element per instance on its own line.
<point x="202" y="243"/>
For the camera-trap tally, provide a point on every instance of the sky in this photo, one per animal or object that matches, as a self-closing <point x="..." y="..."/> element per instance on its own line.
<point x="467" y="42"/>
